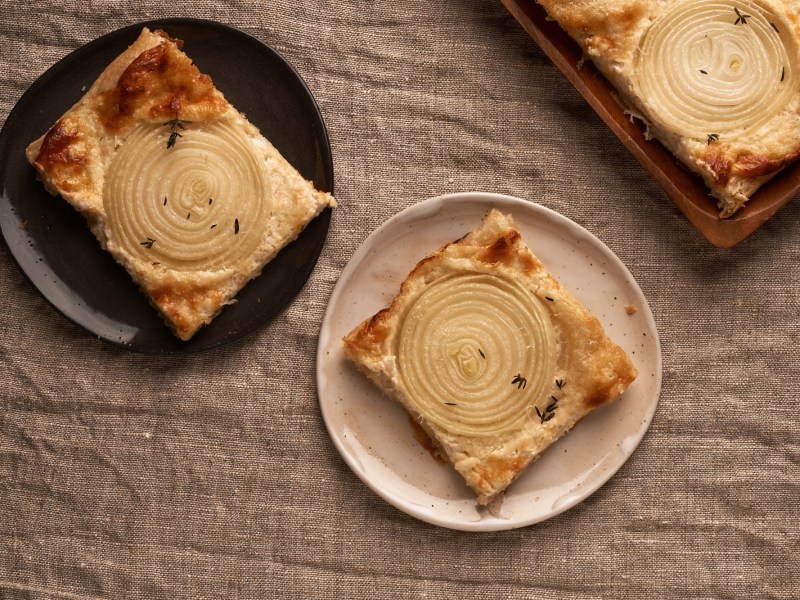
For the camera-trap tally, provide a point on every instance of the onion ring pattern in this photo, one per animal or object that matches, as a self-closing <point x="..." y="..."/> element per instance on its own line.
<point x="715" y="68"/>
<point x="460" y="346"/>
<point x="201" y="204"/>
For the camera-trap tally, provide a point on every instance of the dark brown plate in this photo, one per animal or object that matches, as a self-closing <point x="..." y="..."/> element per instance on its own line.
<point x="685" y="189"/>
<point x="51" y="242"/>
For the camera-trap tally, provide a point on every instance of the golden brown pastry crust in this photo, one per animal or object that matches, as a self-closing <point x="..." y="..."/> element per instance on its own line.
<point x="151" y="82"/>
<point x="594" y="369"/>
<point x="610" y="32"/>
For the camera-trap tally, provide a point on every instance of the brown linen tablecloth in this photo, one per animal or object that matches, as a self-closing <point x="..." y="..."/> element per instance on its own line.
<point x="212" y="475"/>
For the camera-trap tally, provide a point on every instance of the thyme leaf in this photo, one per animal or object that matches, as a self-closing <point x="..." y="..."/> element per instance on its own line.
<point x="148" y="243"/>
<point x="519" y="381"/>
<point x="549" y="412"/>
<point x="712" y="137"/>
<point x="174" y="125"/>
<point x="173" y="137"/>
<point x="741" y="18"/>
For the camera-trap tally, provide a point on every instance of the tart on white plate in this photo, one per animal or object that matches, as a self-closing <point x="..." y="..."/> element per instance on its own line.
<point x="490" y="355"/>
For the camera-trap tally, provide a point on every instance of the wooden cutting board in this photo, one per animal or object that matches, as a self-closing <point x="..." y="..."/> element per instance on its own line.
<point x="685" y="189"/>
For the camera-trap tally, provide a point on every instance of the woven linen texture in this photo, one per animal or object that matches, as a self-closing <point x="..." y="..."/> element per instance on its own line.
<point x="212" y="475"/>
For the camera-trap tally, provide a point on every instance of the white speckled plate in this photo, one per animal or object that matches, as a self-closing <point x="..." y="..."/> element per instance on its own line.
<point x="374" y="435"/>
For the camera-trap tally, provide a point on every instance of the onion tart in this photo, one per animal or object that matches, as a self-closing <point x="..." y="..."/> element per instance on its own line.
<point x="490" y="355"/>
<point x="174" y="182"/>
<point x="715" y="81"/>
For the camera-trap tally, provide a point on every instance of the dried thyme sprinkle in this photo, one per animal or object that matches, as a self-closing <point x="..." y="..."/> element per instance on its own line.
<point x="235" y="226"/>
<point x="165" y="200"/>
<point x="519" y="381"/>
<point x="560" y="383"/>
<point x="148" y="243"/>
<point x="450" y="403"/>
<point x="174" y="125"/>
<point x="481" y="353"/>
<point x="741" y="18"/>
<point x="548" y="298"/>
<point x="214" y="225"/>
<point x="783" y="73"/>
<point x="704" y="72"/>
<point x="210" y="200"/>
<point x="712" y="137"/>
<point x="549" y="412"/>
<point x="775" y="27"/>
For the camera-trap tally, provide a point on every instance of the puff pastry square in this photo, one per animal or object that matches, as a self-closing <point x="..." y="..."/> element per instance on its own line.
<point x="490" y="355"/>
<point x="715" y="81"/>
<point x="174" y="182"/>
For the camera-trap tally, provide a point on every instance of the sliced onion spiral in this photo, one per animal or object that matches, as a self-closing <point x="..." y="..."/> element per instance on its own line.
<point x="201" y="204"/>
<point x="463" y="342"/>
<point x="710" y="67"/>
